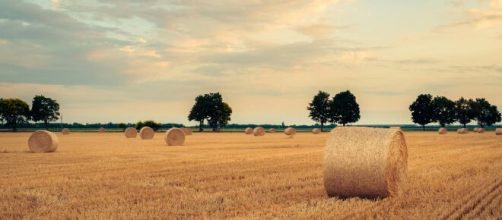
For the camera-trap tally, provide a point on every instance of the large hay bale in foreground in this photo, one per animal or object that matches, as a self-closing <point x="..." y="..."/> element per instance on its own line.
<point x="258" y="131"/>
<point x="316" y="131"/>
<point x="174" y="137"/>
<point x="65" y="131"/>
<point x="290" y="131"/>
<point x="130" y="132"/>
<point x="146" y="133"/>
<point x="365" y="162"/>
<point x="248" y="131"/>
<point x="43" y="141"/>
<point x="272" y="130"/>
<point x="101" y="130"/>
<point x="188" y="131"/>
<point x="443" y="131"/>
<point x="498" y="131"/>
<point x="463" y="131"/>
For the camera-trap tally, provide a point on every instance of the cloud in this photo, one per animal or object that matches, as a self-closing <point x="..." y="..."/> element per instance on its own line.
<point x="484" y="14"/>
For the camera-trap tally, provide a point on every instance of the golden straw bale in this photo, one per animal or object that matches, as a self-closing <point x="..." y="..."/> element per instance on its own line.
<point x="272" y="130"/>
<point x="316" y="131"/>
<point x="130" y="132"/>
<point x="259" y="131"/>
<point x="463" y="131"/>
<point x="174" y="137"/>
<point x="290" y="131"/>
<point x="101" y="130"/>
<point x="188" y="131"/>
<point x="498" y="131"/>
<point x="43" y="141"/>
<point x="65" y="131"/>
<point x="443" y="131"/>
<point x="248" y="131"/>
<point x="146" y="133"/>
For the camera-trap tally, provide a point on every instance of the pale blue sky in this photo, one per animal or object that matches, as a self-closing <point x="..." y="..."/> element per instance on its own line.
<point x="117" y="60"/>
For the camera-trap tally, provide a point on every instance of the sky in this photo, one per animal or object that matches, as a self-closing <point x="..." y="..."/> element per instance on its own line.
<point x="125" y="61"/>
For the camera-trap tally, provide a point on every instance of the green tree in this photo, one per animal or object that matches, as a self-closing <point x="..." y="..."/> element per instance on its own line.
<point x="422" y="110"/>
<point x="319" y="108"/>
<point x="464" y="111"/>
<point x="443" y="110"/>
<point x="152" y="124"/>
<point x="344" y="108"/>
<point x="485" y="113"/>
<point x="122" y="126"/>
<point x="199" y="111"/>
<point x="210" y="107"/>
<point x="220" y="116"/>
<point x="14" y="112"/>
<point x="44" y="109"/>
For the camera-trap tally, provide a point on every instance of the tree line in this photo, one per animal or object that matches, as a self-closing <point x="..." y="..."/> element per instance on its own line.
<point x="427" y="109"/>
<point x="15" y="112"/>
<point x="341" y="109"/>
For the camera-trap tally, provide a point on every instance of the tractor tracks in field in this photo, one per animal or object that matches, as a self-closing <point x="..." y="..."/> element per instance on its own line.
<point x="475" y="202"/>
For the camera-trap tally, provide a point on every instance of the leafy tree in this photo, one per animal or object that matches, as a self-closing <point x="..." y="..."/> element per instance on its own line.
<point x="199" y="110"/>
<point x="122" y="126"/>
<point x="443" y="110"/>
<point x="344" y="108"/>
<point x="44" y="109"/>
<point x="485" y="113"/>
<point x="152" y="124"/>
<point x="464" y="111"/>
<point x="210" y="107"/>
<point x="319" y="108"/>
<point x="422" y="110"/>
<point x="220" y="116"/>
<point x="14" y="112"/>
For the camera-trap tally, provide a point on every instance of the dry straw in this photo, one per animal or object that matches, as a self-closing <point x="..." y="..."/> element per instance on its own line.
<point x="65" y="131"/>
<point x="174" y="137"/>
<point x="146" y="133"/>
<point x="365" y="162"/>
<point x="316" y="131"/>
<point x="248" y="131"/>
<point x="443" y="131"/>
<point x="43" y="141"/>
<point x="130" y="132"/>
<point x="462" y="131"/>
<point x="259" y="131"/>
<point x="290" y="131"/>
<point x="101" y="130"/>
<point x="498" y="131"/>
<point x="480" y="130"/>
<point x="272" y="130"/>
<point x="188" y="131"/>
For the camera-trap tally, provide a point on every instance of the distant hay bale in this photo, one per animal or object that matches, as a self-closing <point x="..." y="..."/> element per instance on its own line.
<point x="272" y="130"/>
<point x="259" y="131"/>
<point x="101" y="130"/>
<point x="498" y="131"/>
<point x="290" y="131"/>
<point x="316" y="131"/>
<point x="43" y="141"/>
<point x="443" y="131"/>
<point x="146" y="133"/>
<point x="480" y="130"/>
<point x="248" y="131"/>
<point x="130" y="132"/>
<point x="174" y="137"/>
<point x="365" y="162"/>
<point x="188" y="131"/>
<point x="65" y="131"/>
<point x="463" y="131"/>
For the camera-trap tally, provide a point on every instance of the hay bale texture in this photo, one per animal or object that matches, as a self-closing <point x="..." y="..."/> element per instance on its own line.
<point x="481" y="130"/>
<point x="316" y="131"/>
<point x="131" y="132"/>
<point x="146" y="133"/>
<point x="290" y="131"/>
<point x="248" y="131"/>
<point x="365" y="162"/>
<point x="272" y="130"/>
<point x="43" y="141"/>
<point x="498" y="131"/>
<point x="188" y="131"/>
<point x="462" y="131"/>
<point x="258" y="131"/>
<point x="101" y="130"/>
<point x="65" y="131"/>
<point x="443" y="131"/>
<point x="174" y="137"/>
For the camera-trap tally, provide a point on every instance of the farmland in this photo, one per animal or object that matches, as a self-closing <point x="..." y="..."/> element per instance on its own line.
<point x="232" y="175"/>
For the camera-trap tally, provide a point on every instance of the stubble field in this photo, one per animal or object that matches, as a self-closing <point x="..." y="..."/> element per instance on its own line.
<point x="232" y="175"/>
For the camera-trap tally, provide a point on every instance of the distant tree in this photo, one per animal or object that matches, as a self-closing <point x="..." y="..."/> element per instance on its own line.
<point x="14" y="112"/>
<point x="443" y="110"/>
<point x="199" y="111"/>
<point x="152" y="124"/>
<point x="464" y="111"/>
<point x="122" y="126"/>
<point x="220" y="116"/>
<point x="44" y="109"/>
<point x="422" y="110"/>
<point x="485" y="113"/>
<point x="344" y="108"/>
<point x="319" y="108"/>
<point x="283" y="125"/>
<point x="210" y="107"/>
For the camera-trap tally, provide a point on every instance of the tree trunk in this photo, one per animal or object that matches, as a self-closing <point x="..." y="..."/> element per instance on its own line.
<point x="46" y="124"/>
<point x="423" y="127"/>
<point x="201" y="123"/>
<point x="322" y="126"/>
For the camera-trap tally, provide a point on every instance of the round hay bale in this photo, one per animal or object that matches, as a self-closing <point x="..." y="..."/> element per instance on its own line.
<point x="365" y="162"/>
<point x="481" y="130"/>
<point x="146" y="133"/>
<point x="316" y="131"/>
<point x="65" y="131"/>
<point x="188" y="131"/>
<point x="290" y="131"/>
<point x="272" y="130"/>
<point x="463" y="131"/>
<point x="43" y="141"/>
<point x="174" y="137"/>
<point x="248" y="131"/>
<point x="130" y="132"/>
<point x="443" y="131"/>
<point x="498" y="131"/>
<point x="259" y="131"/>
<point x="101" y="130"/>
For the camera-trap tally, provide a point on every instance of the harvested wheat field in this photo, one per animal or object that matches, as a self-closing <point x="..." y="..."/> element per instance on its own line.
<point x="232" y="175"/>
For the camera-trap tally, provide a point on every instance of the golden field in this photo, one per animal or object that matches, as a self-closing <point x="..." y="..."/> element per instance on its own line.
<point x="232" y="175"/>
